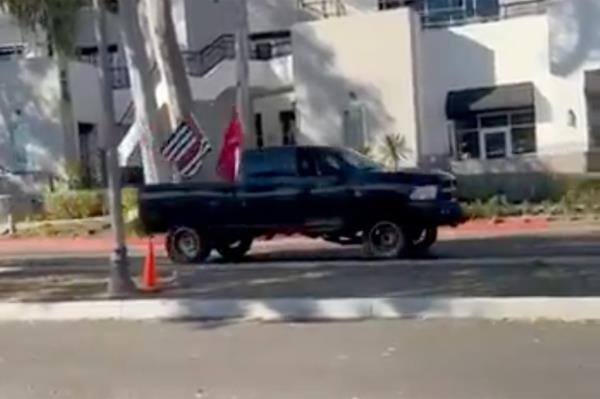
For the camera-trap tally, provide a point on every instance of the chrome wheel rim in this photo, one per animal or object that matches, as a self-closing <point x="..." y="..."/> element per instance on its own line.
<point x="419" y="236"/>
<point x="385" y="238"/>
<point x="187" y="242"/>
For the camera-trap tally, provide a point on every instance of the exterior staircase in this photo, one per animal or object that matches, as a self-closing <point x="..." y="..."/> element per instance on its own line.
<point x="199" y="64"/>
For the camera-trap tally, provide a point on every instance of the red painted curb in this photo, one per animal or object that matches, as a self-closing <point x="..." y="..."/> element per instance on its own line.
<point x="505" y="224"/>
<point x="104" y="243"/>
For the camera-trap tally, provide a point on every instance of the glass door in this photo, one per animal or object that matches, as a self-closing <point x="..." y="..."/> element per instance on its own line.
<point x="495" y="143"/>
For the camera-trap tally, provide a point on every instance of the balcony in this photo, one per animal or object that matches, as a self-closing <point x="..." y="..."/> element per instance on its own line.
<point x="460" y="12"/>
<point x="264" y="46"/>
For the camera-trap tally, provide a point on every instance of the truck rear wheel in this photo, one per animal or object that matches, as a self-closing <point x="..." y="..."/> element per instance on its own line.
<point x="384" y="239"/>
<point x="234" y="250"/>
<point x="186" y="245"/>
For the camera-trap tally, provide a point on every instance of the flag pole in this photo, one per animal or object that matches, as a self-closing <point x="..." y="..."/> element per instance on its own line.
<point x="243" y="96"/>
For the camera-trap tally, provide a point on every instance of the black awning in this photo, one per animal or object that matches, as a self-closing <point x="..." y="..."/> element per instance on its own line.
<point x="464" y="102"/>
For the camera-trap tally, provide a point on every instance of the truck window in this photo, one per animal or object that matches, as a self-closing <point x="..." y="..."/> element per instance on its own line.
<point x="329" y="163"/>
<point x="306" y="163"/>
<point x="277" y="162"/>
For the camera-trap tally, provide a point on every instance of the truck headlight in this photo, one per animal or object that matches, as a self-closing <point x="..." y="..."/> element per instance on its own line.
<point x="424" y="193"/>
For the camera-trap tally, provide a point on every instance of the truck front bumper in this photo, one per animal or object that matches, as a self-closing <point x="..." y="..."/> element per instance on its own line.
<point x="438" y="213"/>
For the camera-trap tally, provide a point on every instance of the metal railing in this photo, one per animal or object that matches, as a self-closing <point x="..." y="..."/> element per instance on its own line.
<point x="263" y="47"/>
<point x="119" y="77"/>
<point x="323" y="8"/>
<point x="469" y="11"/>
<point x="199" y="63"/>
<point x="440" y="18"/>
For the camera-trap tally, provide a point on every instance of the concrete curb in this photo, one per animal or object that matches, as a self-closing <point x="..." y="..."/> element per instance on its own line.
<point x="306" y="309"/>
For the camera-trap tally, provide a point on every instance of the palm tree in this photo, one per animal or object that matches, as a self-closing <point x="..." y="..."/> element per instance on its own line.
<point x="57" y="18"/>
<point x="392" y="149"/>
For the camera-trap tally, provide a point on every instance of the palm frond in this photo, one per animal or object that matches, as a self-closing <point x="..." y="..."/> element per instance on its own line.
<point x="391" y="150"/>
<point x="57" y="17"/>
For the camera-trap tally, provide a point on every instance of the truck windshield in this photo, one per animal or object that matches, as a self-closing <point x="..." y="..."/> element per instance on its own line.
<point x="359" y="161"/>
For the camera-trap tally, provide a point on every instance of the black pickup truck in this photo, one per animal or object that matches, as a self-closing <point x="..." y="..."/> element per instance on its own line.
<point x="332" y="193"/>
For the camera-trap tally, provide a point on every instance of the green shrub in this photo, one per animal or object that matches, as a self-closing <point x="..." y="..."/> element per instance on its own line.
<point x="130" y="212"/>
<point x="129" y="199"/>
<point x="76" y="204"/>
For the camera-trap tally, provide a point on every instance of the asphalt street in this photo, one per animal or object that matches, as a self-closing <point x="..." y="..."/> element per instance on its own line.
<point x="574" y="241"/>
<point x="552" y="263"/>
<point x="403" y="359"/>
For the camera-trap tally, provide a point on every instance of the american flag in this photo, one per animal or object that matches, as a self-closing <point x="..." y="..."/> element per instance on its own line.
<point x="186" y="148"/>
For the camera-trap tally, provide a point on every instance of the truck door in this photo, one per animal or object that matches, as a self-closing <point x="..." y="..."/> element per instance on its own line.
<point x="269" y="194"/>
<point x="326" y="201"/>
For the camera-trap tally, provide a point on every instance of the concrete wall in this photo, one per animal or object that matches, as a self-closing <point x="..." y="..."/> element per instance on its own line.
<point x="271" y="15"/>
<point x="85" y="92"/>
<point x="485" y="55"/>
<point x="207" y="19"/>
<point x="270" y="74"/>
<point x="339" y="55"/>
<point x="32" y="86"/>
<point x="10" y="33"/>
<point x="574" y="48"/>
<point x="480" y="55"/>
<point x="270" y="107"/>
<point x="214" y="117"/>
<point x="85" y="34"/>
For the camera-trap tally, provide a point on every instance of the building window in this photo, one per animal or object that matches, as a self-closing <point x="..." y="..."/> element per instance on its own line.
<point x="258" y="128"/>
<point x="89" y="55"/>
<point x="448" y="12"/>
<point x="467" y="144"/>
<point x="390" y="4"/>
<point x="493" y="135"/>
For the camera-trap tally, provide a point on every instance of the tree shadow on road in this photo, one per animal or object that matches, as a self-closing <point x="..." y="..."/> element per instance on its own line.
<point x="269" y="279"/>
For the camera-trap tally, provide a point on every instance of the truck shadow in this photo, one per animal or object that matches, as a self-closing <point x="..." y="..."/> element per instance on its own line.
<point x="459" y="268"/>
<point x="513" y="246"/>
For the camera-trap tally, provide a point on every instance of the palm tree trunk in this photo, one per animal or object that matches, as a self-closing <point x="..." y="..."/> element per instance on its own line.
<point x="169" y="59"/>
<point x="143" y="93"/>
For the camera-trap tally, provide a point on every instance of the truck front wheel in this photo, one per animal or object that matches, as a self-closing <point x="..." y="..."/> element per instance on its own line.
<point x="234" y="250"/>
<point x="420" y="240"/>
<point x="384" y="239"/>
<point x="186" y="245"/>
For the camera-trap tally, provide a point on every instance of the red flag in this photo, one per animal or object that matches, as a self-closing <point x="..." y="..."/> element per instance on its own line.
<point x="229" y="158"/>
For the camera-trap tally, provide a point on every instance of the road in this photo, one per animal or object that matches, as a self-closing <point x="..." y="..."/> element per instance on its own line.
<point x="376" y="360"/>
<point x="559" y="240"/>
<point x="550" y="263"/>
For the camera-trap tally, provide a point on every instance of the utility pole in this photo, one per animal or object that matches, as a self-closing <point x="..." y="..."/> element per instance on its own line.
<point x="119" y="281"/>
<point x="242" y="52"/>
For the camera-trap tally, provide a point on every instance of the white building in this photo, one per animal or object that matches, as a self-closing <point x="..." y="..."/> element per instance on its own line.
<point x="478" y="86"/>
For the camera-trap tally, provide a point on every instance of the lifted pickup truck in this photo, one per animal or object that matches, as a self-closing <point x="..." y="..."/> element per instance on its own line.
<point x="332" y="193"/>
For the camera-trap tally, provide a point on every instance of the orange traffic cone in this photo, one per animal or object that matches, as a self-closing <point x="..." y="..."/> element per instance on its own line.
<point x="149" y="277"/>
